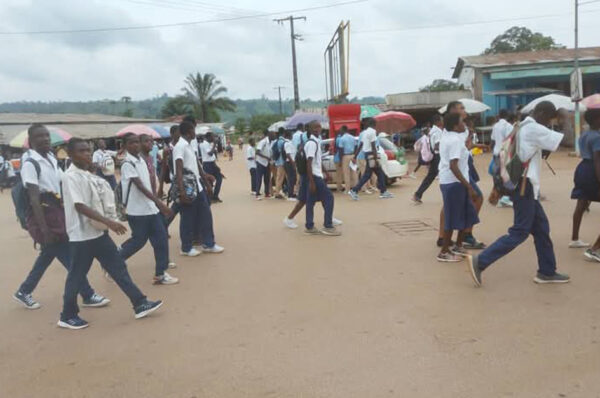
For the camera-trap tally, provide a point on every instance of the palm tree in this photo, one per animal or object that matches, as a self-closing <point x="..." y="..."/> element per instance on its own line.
<point x="204" y="94"/>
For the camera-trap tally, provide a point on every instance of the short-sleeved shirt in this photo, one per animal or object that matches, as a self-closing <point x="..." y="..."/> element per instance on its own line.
<point x="77" y="189"/>
<point x="183" y="150"/>
<point x="312" y="150"/>
<point x="250" y="157"/>
<point x="290" y="149"/>
<point x="280" y="161"/>
<point x="206" y="147"/>
<point x="369" y="136"/>
<point x="264" y="147"/>
<point x="138" y="204"/>
<point x="500" y="131"/>
<point x="297" y="138"/>
<point x="589" y="143"/>
<point x="533" y="138"/>
<point x="348" y="144"/>
<point x="50" y="173"/>
<point x="452" y="146"/>
<point x="435" y="136"/>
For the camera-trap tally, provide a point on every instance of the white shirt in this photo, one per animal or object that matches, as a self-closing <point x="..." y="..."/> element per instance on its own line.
<point x="184" y="150"/>
<point x="50" y="173"/>
<point x="369" y="137"/>
<point x="290" y="149"/>
<point x="250" y="157"/>
<point x="104" y="159"/>
<point x="435" y="136"/>
<point x="312" y="150"/>
<point x="297" y="138"/>
<point x="533" y="138"/>
<point x="264" y="147"/>
<point x="452" y="146"/>
<point x="138" y="204"/>
<point x="205" y="148"/>
<point x="500" y="131"/>
<point x="77" y="189"/>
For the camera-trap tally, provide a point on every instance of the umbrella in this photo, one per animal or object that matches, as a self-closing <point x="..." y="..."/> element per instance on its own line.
<point x="471" y="106"/>
<point x="161" y="130"/>
<point x="394" y="122"/>
<point x="304" y="118"/>
<point x="138" y="129"/>
<point x="276" y="126"/>
<point x="592" y="102"/>
<point x="57" y="137"/>
<point x="368" y="111"/>
<point x="559" y="101"/>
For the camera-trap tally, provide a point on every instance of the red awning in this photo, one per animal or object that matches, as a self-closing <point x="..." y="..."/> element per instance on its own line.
<point x="344" y="115"/>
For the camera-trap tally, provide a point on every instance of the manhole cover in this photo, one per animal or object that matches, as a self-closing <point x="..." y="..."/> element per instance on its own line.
<point x="410" y="227"/>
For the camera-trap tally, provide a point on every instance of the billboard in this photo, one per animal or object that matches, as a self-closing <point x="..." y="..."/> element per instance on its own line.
<point x="337" y="64"/>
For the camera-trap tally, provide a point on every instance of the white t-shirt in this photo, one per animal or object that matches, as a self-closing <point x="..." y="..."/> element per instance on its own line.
<point x="105" y="160"/>
<point x="290" y="149"/>
<point x="312" y="150"/>
<point x="452" y="146"/>
<point x="50" y="173"/>
<point x="500" y="131"/>
<point x="183" y="150"/>
<point x="250" y="157"/>
<point x="138" y="204"/>
<point x="369" y="137"/>
<point x="533" y="138"/>
<point x="205" y="148"/>
<point x="77" y="189"/>
<point x="264" y="147"/>
<point x="435" y="136"/>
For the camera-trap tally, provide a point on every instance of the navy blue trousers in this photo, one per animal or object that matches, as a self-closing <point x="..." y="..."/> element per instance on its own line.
<point x="253" y="179"/>
<point x="148" y="228"/>
<point x="214" y="170"/>
<point x="367" y="175"/>
<point x="263" y="174"/>
<point x="196" y="222"/>
<point x="324" y="195"/>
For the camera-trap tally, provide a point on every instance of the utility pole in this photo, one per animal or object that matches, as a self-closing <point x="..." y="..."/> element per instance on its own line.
<point x="577" y="111"/>
<point x="278" y="88"/>
<point x="294" y="37"/>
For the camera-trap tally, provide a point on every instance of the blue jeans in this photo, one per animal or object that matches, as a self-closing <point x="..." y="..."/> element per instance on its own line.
<point x="324" y="195"/>
<point x="529" y="219"/>
<point x="367" y="176"/>
<point x="48" y="253"/>
<point x="83" y="254"/>
<point x="144" y="228"/>
<point x="214" y="170"/>
<point x="196" y="221"/>
<point x="262" y="174"/>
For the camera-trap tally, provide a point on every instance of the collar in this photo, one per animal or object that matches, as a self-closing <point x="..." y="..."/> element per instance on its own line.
<point x="132" y="158"/>
<point x="33" y="154"/>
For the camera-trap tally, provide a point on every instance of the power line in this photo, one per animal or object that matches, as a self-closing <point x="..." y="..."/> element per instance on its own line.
<point x="192" y="6"/>
<point x="192" y="23"/>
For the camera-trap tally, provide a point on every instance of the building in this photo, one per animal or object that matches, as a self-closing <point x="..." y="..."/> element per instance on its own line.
<point x="423" y="104"/>
<point x="513" y="79"/>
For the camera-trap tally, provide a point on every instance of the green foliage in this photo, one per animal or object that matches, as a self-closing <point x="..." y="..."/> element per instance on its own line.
<point x="175" y="106"/>
<point x="518" y="39"/>
<point x="240" y="125"/>
<point x="442" y="85"/>
<point x="261" y="122"/>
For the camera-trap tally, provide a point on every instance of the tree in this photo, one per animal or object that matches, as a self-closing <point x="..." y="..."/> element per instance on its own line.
<point x="442" y="85"/>
<point x="240" y="125"/>
<point x="176" y="106"/>
<point x="259" y="123"/>
<point x="519" y="38"/>
<point x="204" y="95"/>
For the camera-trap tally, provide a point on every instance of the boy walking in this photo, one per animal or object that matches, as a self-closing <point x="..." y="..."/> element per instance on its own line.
<point x="251" y="165"/>
<point x="208" y="151"/>
<point x="263" y="157"/>
<point x="435" y="136"/>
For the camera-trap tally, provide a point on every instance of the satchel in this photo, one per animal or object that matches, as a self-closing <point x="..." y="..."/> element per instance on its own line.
<point x="54" y="215"/>
<point x="190" y="187"/>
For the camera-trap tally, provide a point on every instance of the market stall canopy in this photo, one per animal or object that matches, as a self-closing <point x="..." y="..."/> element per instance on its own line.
<point x="276" y="126"/>
<point x="592" y="102"/>
<point x="471" y="106"/>
<point x="57" y="137"/>
<point x="394" y="122"/>
<point x="304" y="118"/>
<point x="369" y="111"/>
<point x="138" y="129"/>
<point x="559" y="101"/>
<point x="163" y="131"/>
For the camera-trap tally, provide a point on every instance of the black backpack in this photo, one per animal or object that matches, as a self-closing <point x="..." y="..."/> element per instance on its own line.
<point x="20" y="196"/>
<point x="301" y="161"/>
<point x="120" y="203"/>
<point x="275" y="153"/>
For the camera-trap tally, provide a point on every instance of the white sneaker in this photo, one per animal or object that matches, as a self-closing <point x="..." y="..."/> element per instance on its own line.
<point x="337" y="222"/>
<point x="292" y="199"/>
<point x="258" y="198"/>
<point x="192" y="253"/>
<point x="386" y="195"/>
<point x="216" y="249"/>
<point x="165" y="279"/>
<point x="505" y="202"/>
<point x="413" y="176"/>
<point x="353" y="194"/>
<point x="578" y="244"/>
<point x="291" y="224"/>
<point x="172" y="265"/>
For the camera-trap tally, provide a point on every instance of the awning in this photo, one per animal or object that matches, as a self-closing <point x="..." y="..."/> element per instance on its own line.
<point x="344" y="115"/>
<point x="520" y="91"/>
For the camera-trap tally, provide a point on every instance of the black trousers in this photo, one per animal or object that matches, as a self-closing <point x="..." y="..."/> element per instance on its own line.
<point x="430" y="177"/>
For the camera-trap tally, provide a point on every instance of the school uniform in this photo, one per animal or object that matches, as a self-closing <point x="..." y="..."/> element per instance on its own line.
<point x="435" y="136"/>
<point x="337" y="160"/>
<point x="88" y="243"/>
<point x="279" y="166"/>
<point x="143" y="216"/>
<point x="586" y="182"/>
<point x="370" y="137"/>
<point x="49" y="184"/>
<point x="209" y="164"/>
<point x="529" y="215"/>
<point x="459" y="211"/>
<point x="347" y="149"/>
<point x="263" y="172"/>
<point x="251" y="165"/>
<point x="290" y="169"/>
<point x="196" y="217"/>
<point x="105" y="160"/>
<point x="323" y="194"/>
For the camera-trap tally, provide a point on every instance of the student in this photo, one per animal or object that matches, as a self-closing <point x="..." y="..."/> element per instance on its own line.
<point x="105" y="164"/>
<point x="88" y="243"/>
<point x="587" y="180"/>
<point x="337" y="160"/>
<point x="435" y="136"/>
<point x="347" y="149"/>
<point x="369" y="146"/>
<point x="144" y="210"/>
<point x="502" y="129"/>
<point x="422" y="147"/>
<point x="277" y="152"/>
<point x="263" y="157"/>
<point x="43" y="191"/>
<point x="196" y="216"/>
<point x="457" y="192"/>
<point x="251" y="165"/>
<point x="529" y="216"/>
<point x="317" y="188"/>
<point x="290" y="165"/>
<point x="297" y="139"/>
<point x="361" y="162"/>
<point x="167" y="170"/>
<point x="209" y="163"/>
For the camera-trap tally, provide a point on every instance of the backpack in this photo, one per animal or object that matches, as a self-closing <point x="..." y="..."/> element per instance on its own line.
<point x="509" y="170"/>
<point x="121" y="204"/>
<point x="275" y="152"/>
<point x="425" y="149"/>
<point x="20" y="197"/>
<point x="301" y="161"/>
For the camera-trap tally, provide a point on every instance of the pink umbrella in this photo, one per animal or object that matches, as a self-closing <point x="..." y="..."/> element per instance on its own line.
<point x="592" y="102"/>
<point x="394" y="122"/>
<point x="139" y="129"/>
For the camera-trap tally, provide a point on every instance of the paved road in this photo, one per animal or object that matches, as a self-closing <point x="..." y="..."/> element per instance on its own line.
<point x="280" y="314"/>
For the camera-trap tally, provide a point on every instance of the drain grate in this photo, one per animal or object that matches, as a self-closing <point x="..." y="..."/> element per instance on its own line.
<point x="410" y="227"/>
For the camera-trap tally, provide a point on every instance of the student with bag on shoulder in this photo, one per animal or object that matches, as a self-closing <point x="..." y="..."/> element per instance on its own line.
<point x="45" y="218"/>
<point x="518" y="174"/>
<point x="87" y="226"/>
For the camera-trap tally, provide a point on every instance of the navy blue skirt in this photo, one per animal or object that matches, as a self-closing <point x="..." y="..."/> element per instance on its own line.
<point x="459" y="211"/>
<point x="586" y="182"/>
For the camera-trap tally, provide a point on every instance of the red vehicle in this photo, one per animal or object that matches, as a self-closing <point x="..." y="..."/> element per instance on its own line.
<point x="344" y="115"/>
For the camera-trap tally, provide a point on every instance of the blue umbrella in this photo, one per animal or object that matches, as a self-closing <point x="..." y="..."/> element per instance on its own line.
<point x="161" y="130"/>
<point x="304" y="118"/>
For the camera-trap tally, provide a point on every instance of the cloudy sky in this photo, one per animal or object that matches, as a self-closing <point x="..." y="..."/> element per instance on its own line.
<point x="396" y="45"/>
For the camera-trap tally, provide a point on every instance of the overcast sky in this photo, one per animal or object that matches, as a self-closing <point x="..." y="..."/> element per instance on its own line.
<point x="252" y="56"/>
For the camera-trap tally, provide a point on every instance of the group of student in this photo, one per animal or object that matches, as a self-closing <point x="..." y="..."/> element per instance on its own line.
<point x="70" y="213"/>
